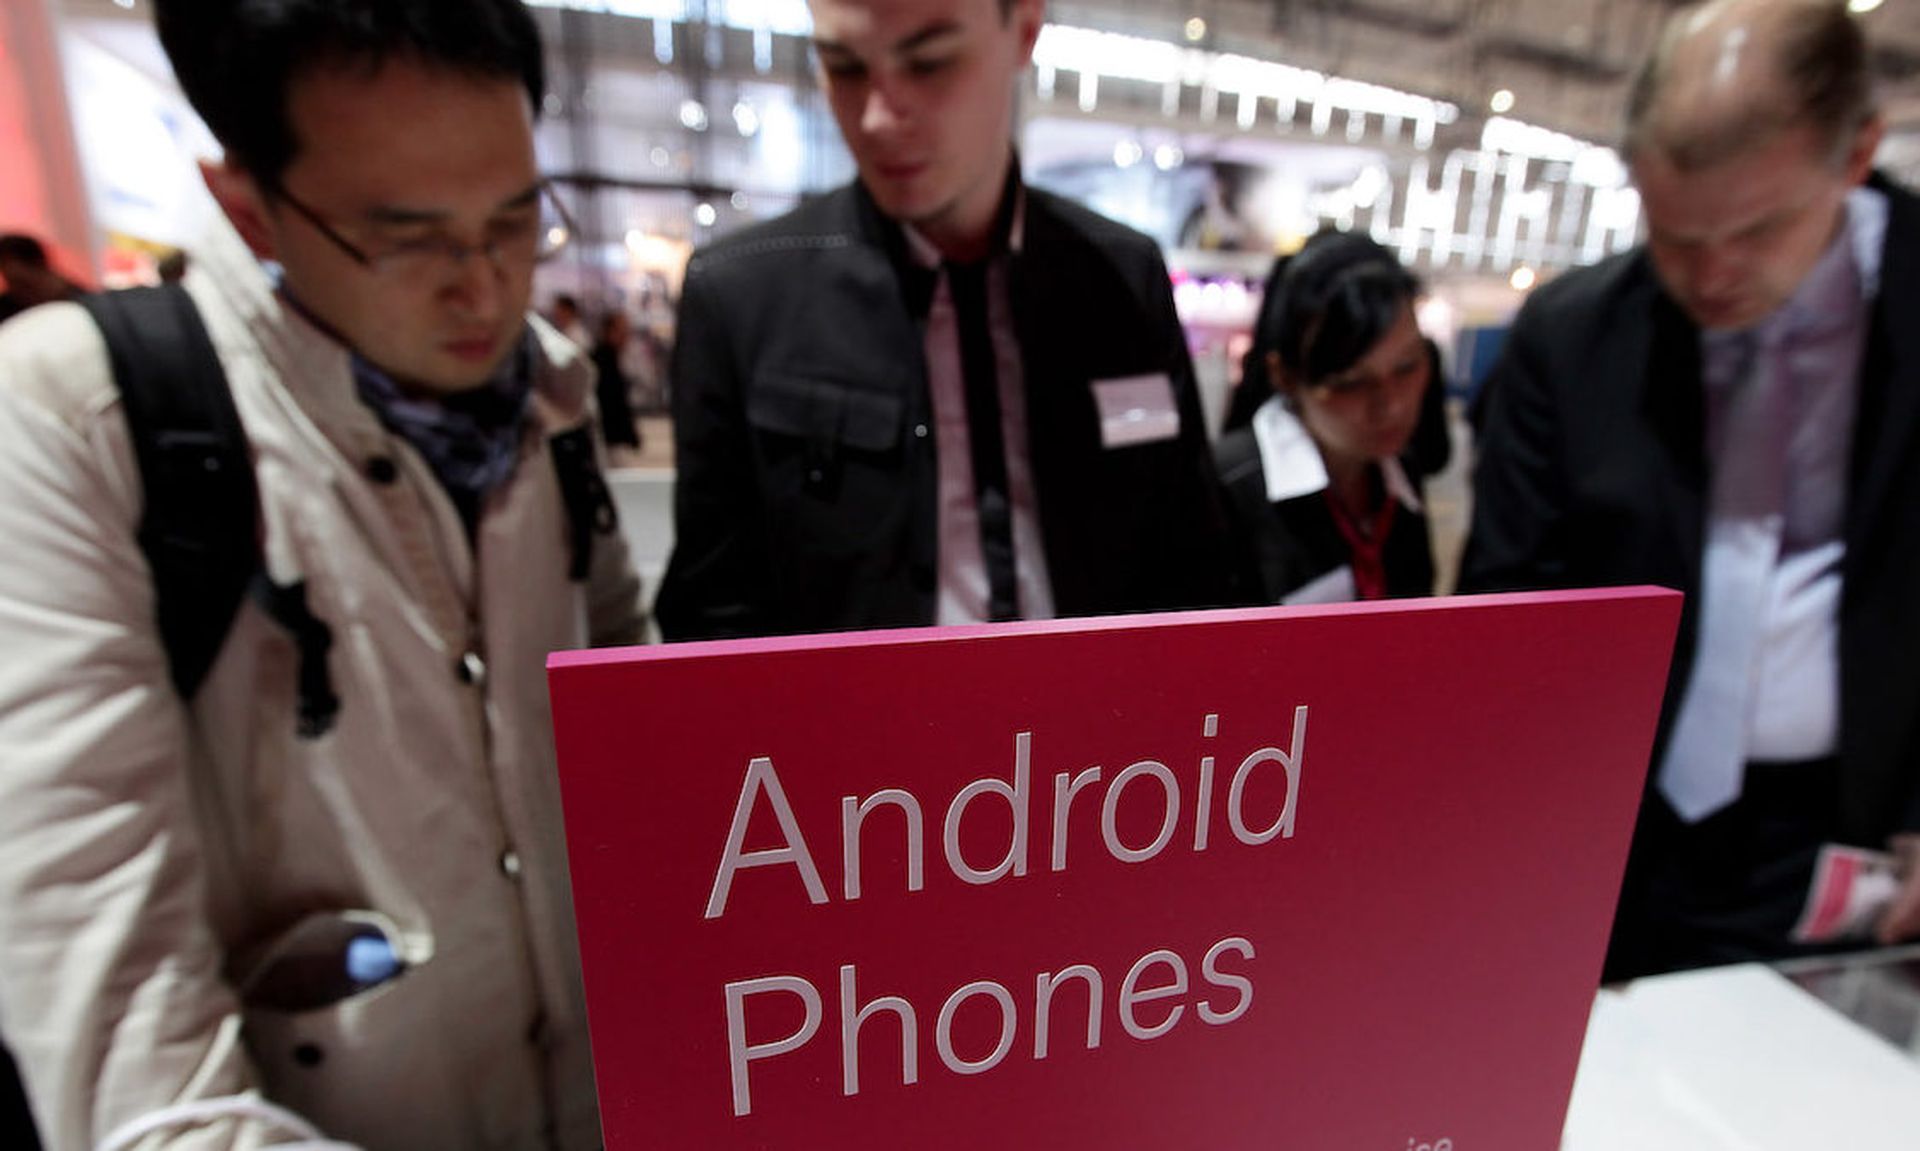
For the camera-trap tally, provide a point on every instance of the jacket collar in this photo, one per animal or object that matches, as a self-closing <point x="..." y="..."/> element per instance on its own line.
<point x="916" y="262"/>
<point x="1010" y="225"/>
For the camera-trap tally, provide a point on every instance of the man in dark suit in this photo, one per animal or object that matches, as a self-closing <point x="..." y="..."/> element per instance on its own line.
<point x="1732" y="410"/>
<point x="936" y="395"/>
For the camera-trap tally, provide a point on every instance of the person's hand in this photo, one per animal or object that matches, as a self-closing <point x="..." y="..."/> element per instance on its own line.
<point x="1901" y="921"/>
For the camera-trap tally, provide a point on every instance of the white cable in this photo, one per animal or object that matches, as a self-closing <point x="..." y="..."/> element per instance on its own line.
<point x="200" y="1112"/>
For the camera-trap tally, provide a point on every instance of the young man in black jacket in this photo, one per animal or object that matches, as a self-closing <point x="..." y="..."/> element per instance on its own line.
<point x="935" y="395"/>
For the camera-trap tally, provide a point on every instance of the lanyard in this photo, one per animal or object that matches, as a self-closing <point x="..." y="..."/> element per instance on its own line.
<point x="1368" y="548"/>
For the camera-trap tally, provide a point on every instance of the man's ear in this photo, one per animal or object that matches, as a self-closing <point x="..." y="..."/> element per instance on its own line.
<point x="1028" y="16"/>
<point x="240" y="197"/>
<point x="1866" y="144"/>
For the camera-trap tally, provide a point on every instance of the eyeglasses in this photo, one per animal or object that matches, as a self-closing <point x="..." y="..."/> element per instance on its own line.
<point x="513" y="244"/>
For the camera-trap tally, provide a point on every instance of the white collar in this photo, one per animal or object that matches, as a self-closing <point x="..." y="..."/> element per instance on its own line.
<point x="1291" y="462"/>
<point x="1867" y="228"/>
<point x="923" y="253"/>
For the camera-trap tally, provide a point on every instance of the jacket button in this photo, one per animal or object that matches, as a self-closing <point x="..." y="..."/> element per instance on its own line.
<point x="510" y="863"/>
<point x="471" y="669"/>
<point x="381" y="470"/>
<point x="919" y="431"/>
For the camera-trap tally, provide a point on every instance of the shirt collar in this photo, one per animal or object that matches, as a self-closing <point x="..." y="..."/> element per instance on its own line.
<point x="1867" y="228"/>
<point x="1292" y="465"/>
<point x="922" y="252"/>
<point x="1836" y="289"/>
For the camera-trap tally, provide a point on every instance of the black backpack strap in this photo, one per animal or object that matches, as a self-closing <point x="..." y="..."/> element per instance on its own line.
<point x="199" y="525"/>
<point x="590" y="508"/>
<point x="286" y="604"/>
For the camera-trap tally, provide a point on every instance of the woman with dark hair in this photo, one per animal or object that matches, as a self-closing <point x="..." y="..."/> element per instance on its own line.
<point x="1322" y="508"/>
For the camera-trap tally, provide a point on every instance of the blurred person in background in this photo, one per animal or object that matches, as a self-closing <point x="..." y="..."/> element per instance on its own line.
<point x="1322" y="509"/>
<point x="612" y="390"/>
<point x="565" y="315"/>
<point x="936" y="395"/>
<point x="1732" y="410"/>
<point x="30" y="277"/>
<point x="321" y="894"/>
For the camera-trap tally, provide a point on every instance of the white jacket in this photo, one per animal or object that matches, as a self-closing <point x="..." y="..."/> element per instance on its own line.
<point x="156" y="858"/>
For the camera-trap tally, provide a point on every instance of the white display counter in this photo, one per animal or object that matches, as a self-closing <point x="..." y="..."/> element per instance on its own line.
<point x="1751" y="1058"/>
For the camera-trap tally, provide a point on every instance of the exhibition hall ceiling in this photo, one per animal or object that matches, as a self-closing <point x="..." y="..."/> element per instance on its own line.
<point x="1566" y="62"/>
<point x="1472" y="134"/>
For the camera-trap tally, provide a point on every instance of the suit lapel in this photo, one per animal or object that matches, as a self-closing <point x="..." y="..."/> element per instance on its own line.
<point x="868" y="225"/>
<point x="1674" y="406"/>
<point x="1890" y="373"/>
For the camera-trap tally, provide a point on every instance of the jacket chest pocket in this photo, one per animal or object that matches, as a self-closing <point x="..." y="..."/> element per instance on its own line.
<point x="831" y="458"/>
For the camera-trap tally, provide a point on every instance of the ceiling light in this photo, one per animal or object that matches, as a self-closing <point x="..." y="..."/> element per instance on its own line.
<point x="1196" y="30"/>
<point x="1368" y="187"/>
<point x="745" y="119"/>
<point x="1127" y="153"/>
<point x="705" y="215"/>
<point x="693" y="114"/>
<point x="1523" y="278"/>
<point x="1862" y="7"/>
<point x="1167" y="157"/>
<point x="1502" y="102"/>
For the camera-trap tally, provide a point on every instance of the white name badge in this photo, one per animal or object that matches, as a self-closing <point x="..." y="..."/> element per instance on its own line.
<point x="1136" y="410"/>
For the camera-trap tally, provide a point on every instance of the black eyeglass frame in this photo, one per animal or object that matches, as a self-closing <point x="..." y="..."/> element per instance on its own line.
<point x="456" y="252"/>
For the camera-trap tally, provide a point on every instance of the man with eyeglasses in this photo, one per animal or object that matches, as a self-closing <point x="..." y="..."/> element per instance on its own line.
<point x="220" y="924"/>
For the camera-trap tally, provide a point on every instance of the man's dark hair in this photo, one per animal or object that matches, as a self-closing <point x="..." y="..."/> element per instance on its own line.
<point x="19" y="248"/>
<point x="237" y="59"/>
<point x="1335" y="300"/>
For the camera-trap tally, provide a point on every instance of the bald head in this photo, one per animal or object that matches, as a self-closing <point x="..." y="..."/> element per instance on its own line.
<point x="1729" y="76"/>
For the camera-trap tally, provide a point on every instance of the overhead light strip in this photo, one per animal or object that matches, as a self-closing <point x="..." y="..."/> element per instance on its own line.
<point x="1109" y="55"/>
